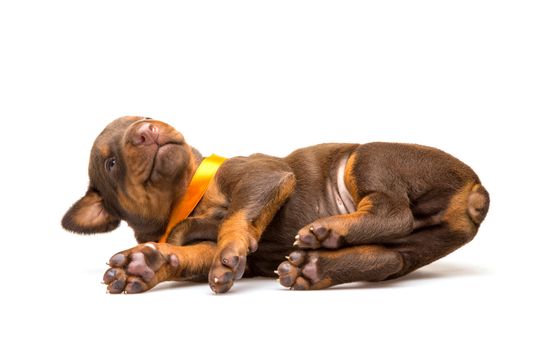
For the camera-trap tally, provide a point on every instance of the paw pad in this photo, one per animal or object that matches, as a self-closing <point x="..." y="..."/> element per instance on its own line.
<point x="138" y="269"/>
<point x="317" y="235"/>
<point x="228" y="267"/>
<point x="299" y="271"/>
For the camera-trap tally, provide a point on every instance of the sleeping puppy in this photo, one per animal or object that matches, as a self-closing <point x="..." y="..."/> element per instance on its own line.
<point x="338" y="213"/>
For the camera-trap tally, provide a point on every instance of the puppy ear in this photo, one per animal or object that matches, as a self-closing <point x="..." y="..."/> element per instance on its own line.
<point x="88" y="215"/>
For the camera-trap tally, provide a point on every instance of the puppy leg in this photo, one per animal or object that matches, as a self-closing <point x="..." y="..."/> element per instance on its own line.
<point x="430" y="244"/>
<point x="379" y="218"/>
<point x="253" y="206"/>
<point x="320" y="269"/>
<point x="195" y="229"/>
<point x="140" y="268"/>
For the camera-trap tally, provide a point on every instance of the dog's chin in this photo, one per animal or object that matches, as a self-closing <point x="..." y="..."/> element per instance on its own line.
<point x="168" y="164"/>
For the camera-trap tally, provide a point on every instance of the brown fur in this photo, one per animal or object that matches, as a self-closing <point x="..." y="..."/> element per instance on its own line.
<point x="411" y="205"/>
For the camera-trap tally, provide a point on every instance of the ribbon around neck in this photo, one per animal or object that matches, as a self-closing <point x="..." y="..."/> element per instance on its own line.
<point x="195" y="191"/>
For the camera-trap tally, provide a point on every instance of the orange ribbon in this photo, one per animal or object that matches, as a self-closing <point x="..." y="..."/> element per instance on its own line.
<point x="195" y="191"/>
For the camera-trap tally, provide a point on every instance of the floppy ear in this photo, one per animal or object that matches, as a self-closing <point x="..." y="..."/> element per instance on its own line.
<point x="88" y="215"/>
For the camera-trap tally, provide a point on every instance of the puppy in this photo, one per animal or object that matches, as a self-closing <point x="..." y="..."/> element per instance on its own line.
<point x="322" y="216"/>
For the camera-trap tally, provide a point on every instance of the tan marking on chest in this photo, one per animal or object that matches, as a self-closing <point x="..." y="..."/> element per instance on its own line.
<point x="213" y="199"/>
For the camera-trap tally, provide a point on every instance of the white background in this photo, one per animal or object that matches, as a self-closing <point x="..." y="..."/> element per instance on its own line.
<point x="238" y="77"/>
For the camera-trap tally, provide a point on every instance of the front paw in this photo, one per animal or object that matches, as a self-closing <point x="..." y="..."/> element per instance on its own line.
<point x="228" y="266"/>
<point x="139" y="269"/>
<point x="318" y="234"/>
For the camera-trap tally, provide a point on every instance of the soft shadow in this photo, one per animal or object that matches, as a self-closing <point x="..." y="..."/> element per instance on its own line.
<point x="176" y="285"/>
<point x="438" y="270"/>
<point x="434" y="271"/>
<point x="240" y="286"/>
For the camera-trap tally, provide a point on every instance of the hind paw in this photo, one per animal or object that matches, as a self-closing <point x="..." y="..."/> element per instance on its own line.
<point x="301" y="271"/>
<point x="318" y="234"/>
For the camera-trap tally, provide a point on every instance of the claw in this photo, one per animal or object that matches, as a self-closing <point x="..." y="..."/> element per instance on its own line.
<point x="276" y="272"/>
<point x="296" y="243"/>
<point x="287" y="257"/>
<point x="297" y="237"/>
<point x="311" y="229"/>
<point x="216" y="279"/>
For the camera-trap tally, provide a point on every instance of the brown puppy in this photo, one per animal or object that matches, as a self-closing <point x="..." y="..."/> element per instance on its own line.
<point x="354" y="212"/>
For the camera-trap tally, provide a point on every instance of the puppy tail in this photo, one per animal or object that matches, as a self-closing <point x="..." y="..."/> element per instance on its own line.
<point x="478" y="203"/>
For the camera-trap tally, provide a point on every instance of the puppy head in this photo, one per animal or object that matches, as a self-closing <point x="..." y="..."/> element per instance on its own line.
<point x="138" y="168"/>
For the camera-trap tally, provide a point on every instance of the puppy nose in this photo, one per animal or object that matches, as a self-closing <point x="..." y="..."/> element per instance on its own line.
<point x="145" y="134"/>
